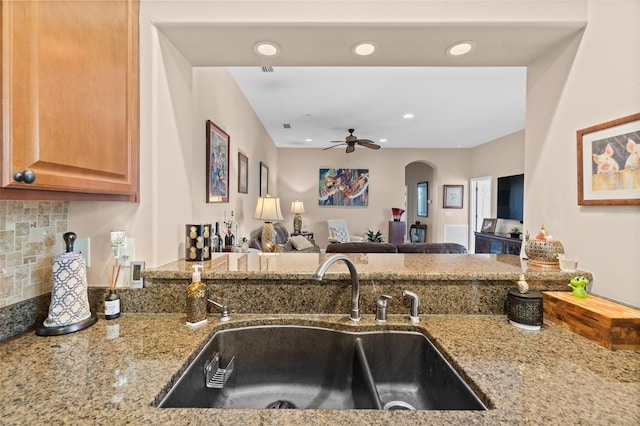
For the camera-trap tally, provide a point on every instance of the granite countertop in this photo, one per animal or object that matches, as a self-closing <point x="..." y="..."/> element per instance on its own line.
<point x="400" y="266"/>
<point x="114" y="371"/>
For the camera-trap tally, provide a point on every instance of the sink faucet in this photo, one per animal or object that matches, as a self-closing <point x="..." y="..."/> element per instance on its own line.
<point x="355" y="284"/>
<point x="415" y="302"/>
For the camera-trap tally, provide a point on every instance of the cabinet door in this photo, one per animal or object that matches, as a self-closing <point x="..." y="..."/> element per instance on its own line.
<point x="483" y="245"/>
<point x="496" y="247"/>
<point x="71" y="95"/>
<point x="512" y="248"/>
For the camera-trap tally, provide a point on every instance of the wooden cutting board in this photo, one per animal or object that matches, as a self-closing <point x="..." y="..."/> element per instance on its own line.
<point x="607" y="323"/>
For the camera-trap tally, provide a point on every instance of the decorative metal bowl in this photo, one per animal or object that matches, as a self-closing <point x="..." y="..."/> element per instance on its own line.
<point x="543" y="252"/>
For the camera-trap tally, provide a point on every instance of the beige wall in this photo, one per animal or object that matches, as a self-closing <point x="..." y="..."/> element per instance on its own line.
<point x="572" y="87"/>
<point x="501" y="157"/>
<point x="217" y="98"/>
<point x="386" y="186"/>
<point x="581" y="83"/>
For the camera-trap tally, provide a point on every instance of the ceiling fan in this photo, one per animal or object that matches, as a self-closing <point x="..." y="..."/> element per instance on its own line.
<point x="351" y="142"/>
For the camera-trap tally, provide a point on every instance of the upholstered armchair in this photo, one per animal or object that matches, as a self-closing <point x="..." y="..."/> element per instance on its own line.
<point x="339" y="232"/>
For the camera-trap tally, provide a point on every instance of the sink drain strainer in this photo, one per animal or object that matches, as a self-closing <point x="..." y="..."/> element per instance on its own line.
<point x="398" y="405"/>
<point x="281" y="405"/>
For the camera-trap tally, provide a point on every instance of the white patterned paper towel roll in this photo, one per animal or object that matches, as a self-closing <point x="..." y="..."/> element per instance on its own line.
<point x="69" y="301"/>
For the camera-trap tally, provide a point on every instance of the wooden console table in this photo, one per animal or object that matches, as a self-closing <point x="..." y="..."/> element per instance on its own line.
<point x="497" y="243"/>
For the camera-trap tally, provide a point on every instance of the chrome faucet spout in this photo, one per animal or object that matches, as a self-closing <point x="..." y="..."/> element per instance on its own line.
<point x="355" y="283"/>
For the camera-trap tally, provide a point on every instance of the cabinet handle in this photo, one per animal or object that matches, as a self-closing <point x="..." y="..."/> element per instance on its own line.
<point x="27" y="176"/>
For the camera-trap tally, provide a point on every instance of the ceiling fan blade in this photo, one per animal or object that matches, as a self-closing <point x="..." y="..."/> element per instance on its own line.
<point x="333" y="146"/>
<point x="350" y="148"/>
<point x="365" y="140"/>
<point x="368" y="144"/>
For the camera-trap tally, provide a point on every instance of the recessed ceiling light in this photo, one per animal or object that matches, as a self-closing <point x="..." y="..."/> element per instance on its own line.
<point x="308" y="140"/>
<point x="460" y="48"/>
<point x="382" y="140"/>
<point x="266" y="48"/>
<point x="407" y="116"/>
<point x="364" y="48"/>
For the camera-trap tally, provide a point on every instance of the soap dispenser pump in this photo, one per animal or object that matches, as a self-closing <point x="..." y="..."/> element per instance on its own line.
<point x="196" y="300"/>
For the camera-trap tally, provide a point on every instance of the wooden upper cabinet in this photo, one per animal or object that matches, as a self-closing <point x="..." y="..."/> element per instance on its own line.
<point x="70" y="91"/>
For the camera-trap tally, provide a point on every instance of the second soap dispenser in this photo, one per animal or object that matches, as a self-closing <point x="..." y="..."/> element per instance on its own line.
<point x="196" y="300"/>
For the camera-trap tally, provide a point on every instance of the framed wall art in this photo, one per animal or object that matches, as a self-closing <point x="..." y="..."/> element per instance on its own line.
<point x="264" y="179"/>
<point x="243" y="173"/>
<point x="422" y="195"/>
<point x="453" y="196"/>
<point x="343" y="187"/>
<point x="609" y="163"/>
<point x="217" y="164"/>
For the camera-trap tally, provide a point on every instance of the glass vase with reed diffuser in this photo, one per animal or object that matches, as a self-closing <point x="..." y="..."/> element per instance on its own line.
<point x="112" y="301"/>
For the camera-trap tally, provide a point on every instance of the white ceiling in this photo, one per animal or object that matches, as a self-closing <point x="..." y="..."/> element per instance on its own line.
<point x="321" y="89"/>
<point x="452" y="107"/>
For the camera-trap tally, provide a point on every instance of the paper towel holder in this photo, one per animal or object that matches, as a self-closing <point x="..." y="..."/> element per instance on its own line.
<point x="43" y="330"/>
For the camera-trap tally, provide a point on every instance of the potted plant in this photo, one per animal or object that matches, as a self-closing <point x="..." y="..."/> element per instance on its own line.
<point x="374" y="237"/>
<point x="515" y="232"/>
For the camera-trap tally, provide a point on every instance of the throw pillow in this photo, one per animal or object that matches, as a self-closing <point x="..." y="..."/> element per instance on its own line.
<point x="300" y="242"/>
<point x="341" y="235"/>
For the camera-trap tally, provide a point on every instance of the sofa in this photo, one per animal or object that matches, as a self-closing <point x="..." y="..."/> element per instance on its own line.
<point x="370" y="247"/>
<point x="284" y="243"/>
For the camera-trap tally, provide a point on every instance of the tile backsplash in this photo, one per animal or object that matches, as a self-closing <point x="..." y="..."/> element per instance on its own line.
<point x="30" y="238"/>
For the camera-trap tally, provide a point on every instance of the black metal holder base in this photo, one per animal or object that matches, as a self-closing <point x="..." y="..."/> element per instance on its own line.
<point x="66" y="329"/>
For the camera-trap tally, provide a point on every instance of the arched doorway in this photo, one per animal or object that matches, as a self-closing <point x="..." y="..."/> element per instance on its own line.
<point x="415" y="173"/>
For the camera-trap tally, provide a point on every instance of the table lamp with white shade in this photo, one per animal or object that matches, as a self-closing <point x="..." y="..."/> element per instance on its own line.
<point x="297" y="207"/>
<point x="268" y="210"/>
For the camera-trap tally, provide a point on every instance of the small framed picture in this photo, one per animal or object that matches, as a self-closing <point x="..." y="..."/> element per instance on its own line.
<point x="243" y="173"/>
<point x="453" y="195"/>
<point x="489" y="226"/>
<point x="136" y="280"/>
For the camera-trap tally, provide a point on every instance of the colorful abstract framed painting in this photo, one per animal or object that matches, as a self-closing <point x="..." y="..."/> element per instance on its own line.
<point x="609" y="163"/>
<point x="243" y="173"/>
<point x="343" y="187"/>
<point x="217" y="164"/>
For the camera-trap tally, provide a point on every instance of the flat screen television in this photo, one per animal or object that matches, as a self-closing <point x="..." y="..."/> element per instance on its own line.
<point x="511" y="197"/>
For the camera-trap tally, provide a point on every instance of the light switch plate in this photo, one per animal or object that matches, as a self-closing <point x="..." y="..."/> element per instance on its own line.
<point x="82" y="246"/>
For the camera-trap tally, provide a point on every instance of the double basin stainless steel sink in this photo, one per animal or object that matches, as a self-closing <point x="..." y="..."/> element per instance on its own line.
<point x="306" y="367"/>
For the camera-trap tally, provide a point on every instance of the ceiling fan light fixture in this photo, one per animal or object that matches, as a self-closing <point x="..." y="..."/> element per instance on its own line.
<point x="267" y="49"/>
<point x="364" y="48"/>
<point x="460" y="48"/>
